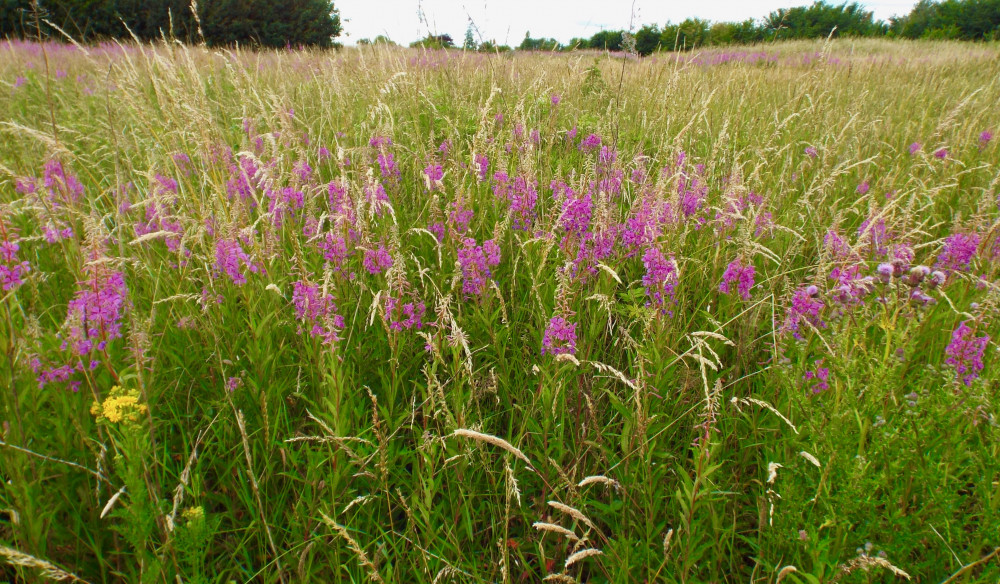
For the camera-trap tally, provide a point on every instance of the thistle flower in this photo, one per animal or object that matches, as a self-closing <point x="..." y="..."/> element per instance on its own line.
<point x="965" y="353"/>
<point x="941" y="153"/>
<point x="811" y="152"/>
<point x="739" y="274"/>
<point x="555" y="99"/>
<point x="985" y="138"/>
<point x="863" y="188"/>
<point x="559" y="337"/>
<point x="915" y="147"/>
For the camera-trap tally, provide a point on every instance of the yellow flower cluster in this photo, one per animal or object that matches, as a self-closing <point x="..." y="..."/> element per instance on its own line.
<point x="120" y="405"/>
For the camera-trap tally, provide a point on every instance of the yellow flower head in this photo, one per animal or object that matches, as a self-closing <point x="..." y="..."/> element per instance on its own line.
<point x="120" y="406"/>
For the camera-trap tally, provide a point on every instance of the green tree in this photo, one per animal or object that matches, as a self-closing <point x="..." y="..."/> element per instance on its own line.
<point x="470" y="40"/>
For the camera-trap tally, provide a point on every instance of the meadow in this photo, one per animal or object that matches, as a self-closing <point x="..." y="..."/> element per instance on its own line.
<point x="394" y="315"/>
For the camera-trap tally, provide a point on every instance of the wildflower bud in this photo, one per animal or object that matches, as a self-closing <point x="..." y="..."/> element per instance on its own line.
<point x="898" y="267"/>
<point x="885" y="272"/>
<point x="937" y="278"/>
<point x="812" y="290"/>
<point x="917" y="275"/>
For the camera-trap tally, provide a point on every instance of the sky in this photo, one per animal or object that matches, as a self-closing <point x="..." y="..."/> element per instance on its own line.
<point x="507" y="21"/>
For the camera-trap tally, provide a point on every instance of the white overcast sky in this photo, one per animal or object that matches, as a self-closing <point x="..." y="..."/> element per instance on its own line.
<point x="507" y="21"/>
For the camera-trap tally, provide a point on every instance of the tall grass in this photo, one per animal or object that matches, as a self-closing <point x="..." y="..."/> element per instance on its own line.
<point x="407" y="316"/>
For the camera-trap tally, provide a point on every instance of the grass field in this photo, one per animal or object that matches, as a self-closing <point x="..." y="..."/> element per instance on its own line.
<point x="398" y="316"/>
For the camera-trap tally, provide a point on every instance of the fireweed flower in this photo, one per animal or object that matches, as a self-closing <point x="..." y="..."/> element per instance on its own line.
<point x="475" y="262"/>
<point x="958" y="251"/>
<point x="63" y="188"/>
<point x="590" y="143"/>
<point x="317" y="312"/>
<point x="852" y="286"/>
<point x="818" y="379"/>
<point x="742" y="276"/>
<point x="434" y="172"/>
<point x="522" y="196"/>
<point x="805" y="309"/>
<point x="231" y="259"/>
<point x="377" y="260"/>
<point x="559" y="337"/>
<point x="403" y="316"/>
<point x="965" y="353"/>
<point x="482" y="166"/>
<point x="12" y="271"/>
<point x="459" y="218"/>
<point x="94" y="315"/>
<point x="660" y="279"/>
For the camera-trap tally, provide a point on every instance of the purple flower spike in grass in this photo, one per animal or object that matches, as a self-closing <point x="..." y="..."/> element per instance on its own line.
<point x="965" y="353"/>
<point x="738" y="276"/>
<point x="559" y="337"/>
<point x="958" y="251"/>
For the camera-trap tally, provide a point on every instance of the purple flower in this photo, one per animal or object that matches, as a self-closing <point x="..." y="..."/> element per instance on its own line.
<point x="818" y="379"/>
<point x="590" y="143"/>
<point x="941" y="153"/>
<point x="230" y="258"/>
<point x="555" y="99"/>
<point x="739" y="274"/>
<point x="863" y="188"/>
<point x="660" y="279"/>
<point x="377" y="260"/>
<point x="482" y="166"/>
<point x="958" y="251"/>
<point x="559" y="337"/>
<point x="811" y="152"/>
<point x="303" y="170"/>
<point x="11" y="270"/>
<point x="475" y="262"/>
<point x="96" y="310"/>
<point x="317" y="311"/>
<point x="914" y="148"/>
<point x="434" y="172"/>
<point x="805" y="308"/>
<point x="403" y="316"/>
<point x="985" y="138"/>
<point x="19" y="81"/>
<point x="884" y="272"/>
<point x="965" y="353"/>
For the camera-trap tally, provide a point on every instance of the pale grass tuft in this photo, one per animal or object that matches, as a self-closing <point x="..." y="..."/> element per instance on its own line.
<point x="48" y="570"/>
<point x="563" y="578"/>
<point x="810" y="458"/>
<point x="574" y="513"/>
<point x="582" y="555"/>
<point x="553" y="528"/>
<point x="772" y="471"/>
<point x="363" y="560"/>
<point x="749" y="400"/>
<point x="666" y="541"/>
<point x="785" y="572"/>
<point x="600" y="479"/>
<point x="865" y="563"/>
<point x="494" y="440"/>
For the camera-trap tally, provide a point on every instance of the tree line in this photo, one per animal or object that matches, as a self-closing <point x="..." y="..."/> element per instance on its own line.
<point x="943" y="19"/>
<point x="269" y="23"/>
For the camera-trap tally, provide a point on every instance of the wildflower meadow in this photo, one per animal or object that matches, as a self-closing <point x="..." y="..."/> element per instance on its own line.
<point x="399" y="315"/>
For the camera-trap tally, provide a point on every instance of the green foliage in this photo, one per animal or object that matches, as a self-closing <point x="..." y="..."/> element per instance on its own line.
<point x="269" y="23"/>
